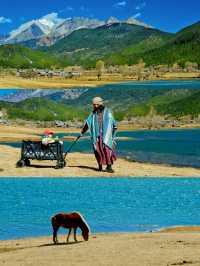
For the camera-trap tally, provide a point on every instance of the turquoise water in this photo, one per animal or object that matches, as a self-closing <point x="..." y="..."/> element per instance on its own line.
<point x="108" y="204"/>
<point x="175" y="147"/>
<point x="7" y="91"/>
<point x="158" y="84"/>
<point x="112" y="204"/>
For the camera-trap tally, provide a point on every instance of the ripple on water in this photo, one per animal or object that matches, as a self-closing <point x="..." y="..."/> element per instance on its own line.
<point x="109" y="205"/>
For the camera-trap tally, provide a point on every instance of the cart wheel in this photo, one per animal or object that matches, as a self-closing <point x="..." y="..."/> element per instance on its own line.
<point x="27" y="162"/>
<point x="20" y="163"/>
<point x="60" y="164"/>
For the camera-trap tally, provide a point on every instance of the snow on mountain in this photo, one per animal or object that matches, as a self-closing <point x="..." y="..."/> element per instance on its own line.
<point x="35" y="28"/>
<point x="72" y="24"/>
<point x="21" y="95"/>
<point x="66" y="27"/>
<point x="50" y="28"/>
<point x="134" y="21"/>
<point x="112" y="20"/>
<point x="50" y="21"/>
<point x="3" y="38"/>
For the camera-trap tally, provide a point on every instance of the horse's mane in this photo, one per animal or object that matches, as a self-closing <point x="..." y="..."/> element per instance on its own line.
<point x="84" y="221"/>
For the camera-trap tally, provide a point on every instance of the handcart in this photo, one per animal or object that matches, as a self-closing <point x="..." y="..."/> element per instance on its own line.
<point x="36" y="150"/>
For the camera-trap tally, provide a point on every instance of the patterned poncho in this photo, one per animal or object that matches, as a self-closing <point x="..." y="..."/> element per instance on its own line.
<point x="108" y="128"/>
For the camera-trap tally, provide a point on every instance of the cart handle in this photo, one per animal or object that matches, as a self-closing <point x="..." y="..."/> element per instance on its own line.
<point x="72" y="145"/>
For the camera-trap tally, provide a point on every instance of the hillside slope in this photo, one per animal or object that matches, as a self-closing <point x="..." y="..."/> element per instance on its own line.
<point x="16" y="56"/>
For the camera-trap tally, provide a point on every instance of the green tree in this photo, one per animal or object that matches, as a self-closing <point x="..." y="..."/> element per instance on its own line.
<point x="191" y="66"/>
<point x="99" y="68"/>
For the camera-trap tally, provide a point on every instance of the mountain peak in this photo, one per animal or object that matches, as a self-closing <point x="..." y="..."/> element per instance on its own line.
<point x="112" y="20"/>
<point x="52" y="28"/>
<point x="51" y="20"/>
<point x="44" y="24"/>
<point x="134" y="21"/>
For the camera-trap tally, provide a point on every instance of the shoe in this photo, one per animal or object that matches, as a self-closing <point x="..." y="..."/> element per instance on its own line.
<point x="100" y="168"/>
<point x="109" y="169"/>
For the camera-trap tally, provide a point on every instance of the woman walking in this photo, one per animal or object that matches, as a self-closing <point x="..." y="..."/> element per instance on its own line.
<point x="102" y="126"/>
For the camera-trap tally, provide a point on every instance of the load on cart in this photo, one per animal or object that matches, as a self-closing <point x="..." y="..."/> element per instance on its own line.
<point x="48" y="148"/>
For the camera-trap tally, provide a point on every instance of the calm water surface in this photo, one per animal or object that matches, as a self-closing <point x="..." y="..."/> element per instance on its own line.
<point x="175" y="147"/>
<point x="109" y="205"/>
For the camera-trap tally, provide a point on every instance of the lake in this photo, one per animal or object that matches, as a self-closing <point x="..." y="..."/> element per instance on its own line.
<point x="112" y="204"/>
<point x="180" y="147"/>
<point x="108" y="204"/>
<point x="175" y="147"/>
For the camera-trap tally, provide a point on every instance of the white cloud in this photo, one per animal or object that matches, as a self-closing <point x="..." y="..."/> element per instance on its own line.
<point x="67" y="8"/>
<point x="4" y="20"/>
<point x="140" y="6"/>
<point x="137" y="15"/>
<point x="120" y="4"/>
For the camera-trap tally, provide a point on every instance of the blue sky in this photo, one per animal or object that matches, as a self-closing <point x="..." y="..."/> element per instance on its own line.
<point x="171" y="15"/>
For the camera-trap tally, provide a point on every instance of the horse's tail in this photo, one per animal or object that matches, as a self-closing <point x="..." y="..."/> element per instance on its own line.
<point x="55" y="226"/>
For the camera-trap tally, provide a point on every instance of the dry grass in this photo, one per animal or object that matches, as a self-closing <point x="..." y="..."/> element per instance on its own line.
<point x="83" y="81"/>
<point x="53" y="83"/>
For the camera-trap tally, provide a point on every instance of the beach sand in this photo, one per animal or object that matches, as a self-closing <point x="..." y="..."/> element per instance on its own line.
<point x="78" y="164"/>
<point x="84" y="165"/>
<point x="138" y="249"/>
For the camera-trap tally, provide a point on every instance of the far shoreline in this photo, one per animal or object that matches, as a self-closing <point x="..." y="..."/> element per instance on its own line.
<point x="12" y="82"/>
<point x="17" y="133"/>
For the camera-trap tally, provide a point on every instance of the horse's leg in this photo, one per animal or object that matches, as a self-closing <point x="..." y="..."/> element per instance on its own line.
<point x="55" y="239"/>
<point x="69" y="234"/>
<point x="75" y="239"/>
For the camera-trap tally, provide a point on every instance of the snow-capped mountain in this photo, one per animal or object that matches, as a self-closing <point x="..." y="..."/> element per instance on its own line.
<point x="112" y="20"/>
<point x="47" y="30"/>
<point x="21" y="95"/>
<point x="3" y="38"/>
<point x="66" y="27"/>
<point x="72" y="24"/>
<point x="134" y="21"/>
<point x="35" y="29"/>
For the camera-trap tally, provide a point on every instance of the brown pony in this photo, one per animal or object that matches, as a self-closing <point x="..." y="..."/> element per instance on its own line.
<point x="69" y="221"/>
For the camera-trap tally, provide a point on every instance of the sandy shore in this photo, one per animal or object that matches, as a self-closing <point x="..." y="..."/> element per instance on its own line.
<point x="84" y="165"/>
<point x="81" y="165"/>
<point x="138" y="249"/>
